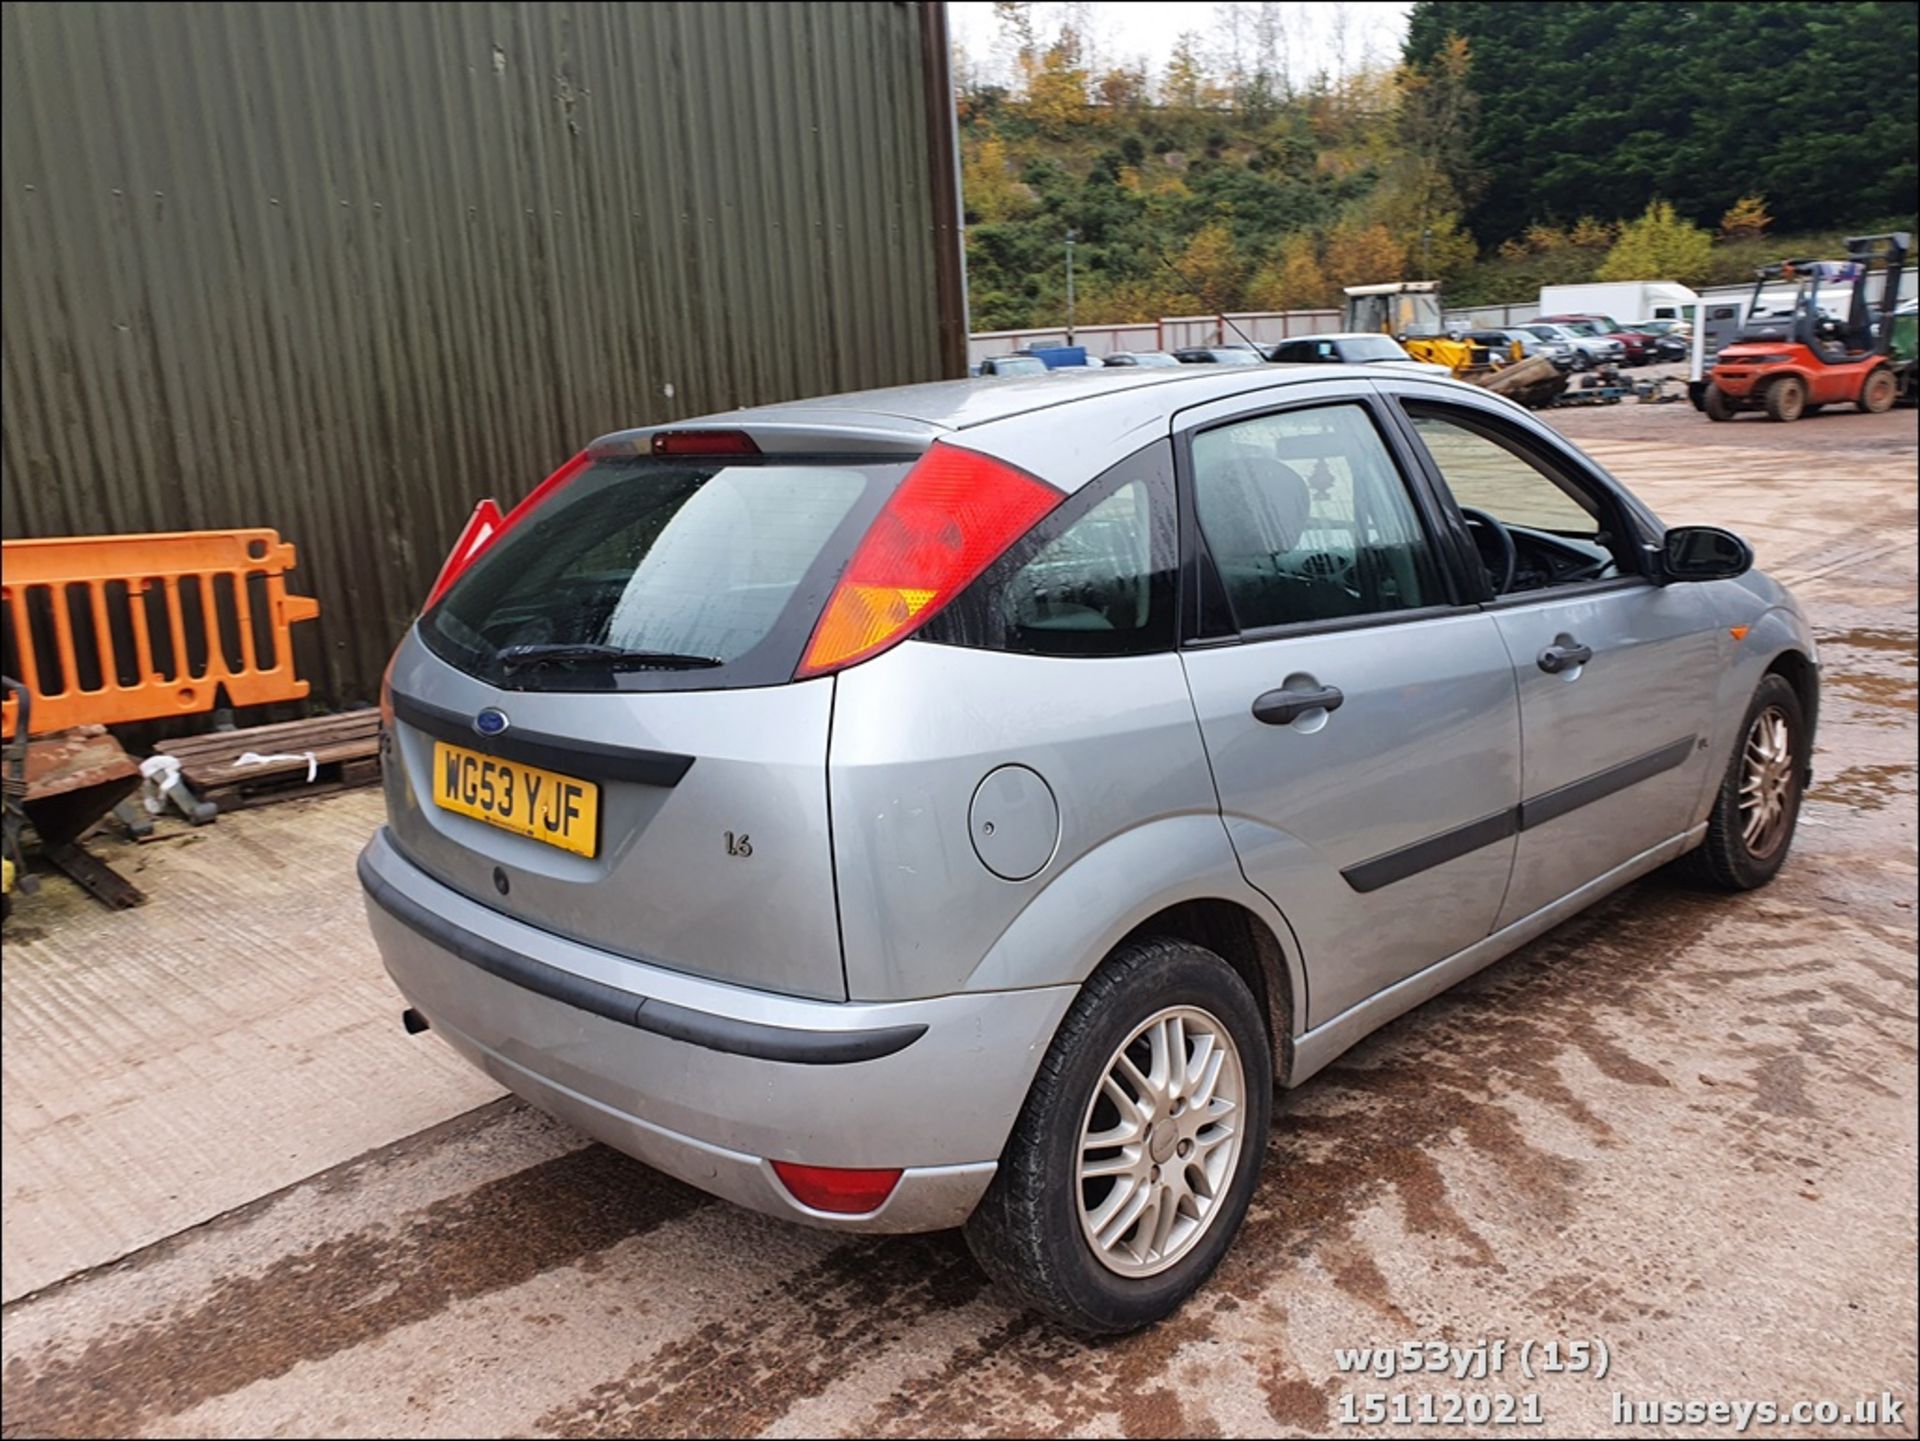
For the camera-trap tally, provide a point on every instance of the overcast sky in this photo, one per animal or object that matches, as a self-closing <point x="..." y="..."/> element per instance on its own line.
<point x="1330" y="35"/>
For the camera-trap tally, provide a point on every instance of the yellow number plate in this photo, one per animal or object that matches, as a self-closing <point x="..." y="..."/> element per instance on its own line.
<point x="528" y="801"/>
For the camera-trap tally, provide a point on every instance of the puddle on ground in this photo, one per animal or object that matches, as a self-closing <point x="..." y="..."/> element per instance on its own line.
<point x="1901" y="641"/>
<point x="1866" y="788"/>
<point x="1886" y="692"/>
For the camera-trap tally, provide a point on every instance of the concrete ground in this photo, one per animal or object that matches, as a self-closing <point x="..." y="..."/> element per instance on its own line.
<point x="240" y="1202"/>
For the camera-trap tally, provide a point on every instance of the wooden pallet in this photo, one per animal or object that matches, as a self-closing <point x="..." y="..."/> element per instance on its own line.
<point x="345" y="749"/>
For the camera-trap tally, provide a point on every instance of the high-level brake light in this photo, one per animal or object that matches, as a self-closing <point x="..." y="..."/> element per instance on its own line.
<point x="704" y="442"/>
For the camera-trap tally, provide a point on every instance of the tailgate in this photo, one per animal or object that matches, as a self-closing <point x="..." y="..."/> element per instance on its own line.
<point x="689" y="829"/>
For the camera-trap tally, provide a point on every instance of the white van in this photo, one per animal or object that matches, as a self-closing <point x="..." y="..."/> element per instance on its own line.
<point x="1626" y="300"/>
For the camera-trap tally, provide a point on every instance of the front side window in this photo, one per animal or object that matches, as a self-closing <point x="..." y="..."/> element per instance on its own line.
<point x="1095" y="578"/>
<point x="1502" y="484"/>
<point x="1307" y="518"/>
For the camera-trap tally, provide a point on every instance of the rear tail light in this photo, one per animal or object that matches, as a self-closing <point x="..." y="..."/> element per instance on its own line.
<point x="486" y="525"/>
<point x="837" y="1189"/>
<point x="475" y="536"/>
<point x="955" y="513"/>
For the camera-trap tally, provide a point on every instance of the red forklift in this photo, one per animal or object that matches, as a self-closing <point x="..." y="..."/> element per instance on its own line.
<point x="1816" y="350"/>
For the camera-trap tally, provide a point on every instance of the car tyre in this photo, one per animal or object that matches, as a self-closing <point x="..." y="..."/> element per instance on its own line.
<point x="1732" y="857"/>
<point x="1878" y="393"/>
<point x="1717" y="404"/>
<point x="1030" y="1232"/>
<point x="1787" y="398"/>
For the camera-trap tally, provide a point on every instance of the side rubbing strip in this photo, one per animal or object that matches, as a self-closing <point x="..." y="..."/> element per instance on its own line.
<point x="1433" y="851"/>
<point x="1555" y="803"/>
<point x="586" y="759"/>
<point x="1384" y="870"/>
<point x="662" y="1018"/>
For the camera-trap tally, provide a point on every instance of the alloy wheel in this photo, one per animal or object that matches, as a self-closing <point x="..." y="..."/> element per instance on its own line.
<point x="1160" y="1141"/>
<point x="1766" y="783"/>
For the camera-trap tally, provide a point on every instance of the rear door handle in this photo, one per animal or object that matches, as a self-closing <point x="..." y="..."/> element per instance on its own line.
<point x="1283" y="707"/>
<point x="1564" y="656"/>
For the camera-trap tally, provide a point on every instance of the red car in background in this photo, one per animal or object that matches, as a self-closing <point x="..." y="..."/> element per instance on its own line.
<point x="1639" y="345"/>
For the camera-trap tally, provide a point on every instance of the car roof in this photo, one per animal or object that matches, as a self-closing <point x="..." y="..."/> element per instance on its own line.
<point x="1117" y="410"/>
<point x="1337" y="335"/>
<point x="916" y="415"/>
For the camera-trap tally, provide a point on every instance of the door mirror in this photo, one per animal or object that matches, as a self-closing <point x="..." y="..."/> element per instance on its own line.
<point x="1703" y="552"/>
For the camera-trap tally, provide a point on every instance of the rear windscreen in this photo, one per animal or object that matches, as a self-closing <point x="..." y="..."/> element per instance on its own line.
<point x="651" y="575"/>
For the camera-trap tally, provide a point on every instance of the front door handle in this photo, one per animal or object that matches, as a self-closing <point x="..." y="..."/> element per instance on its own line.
<point x="1283" y="707"/>
<point x="1564" y="654"/>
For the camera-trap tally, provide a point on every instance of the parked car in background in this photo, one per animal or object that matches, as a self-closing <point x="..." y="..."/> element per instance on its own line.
<point x="1011" y="365"/>
<point x="1634" y="345"/>
<point x="1668" y="340"/>
<point x="1588" y="347"/>
<point x="1150" y="358"/>
<point x="1218" y="355"/>
<point x="684" y="772"/>
<point x="1351" y="348"/>
<point x="1560" y="352"/>
<point x="1061" y="357"/>
<point x="1501" y="342"/>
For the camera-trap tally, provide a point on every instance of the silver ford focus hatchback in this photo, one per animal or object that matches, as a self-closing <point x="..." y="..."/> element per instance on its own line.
<point x="961" y="805"/>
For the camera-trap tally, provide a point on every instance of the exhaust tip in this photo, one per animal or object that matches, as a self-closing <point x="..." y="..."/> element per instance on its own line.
<point x="413" y="1021"/>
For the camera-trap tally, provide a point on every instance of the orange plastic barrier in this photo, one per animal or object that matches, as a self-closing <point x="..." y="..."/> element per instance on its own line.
<point x="110" y="628"/>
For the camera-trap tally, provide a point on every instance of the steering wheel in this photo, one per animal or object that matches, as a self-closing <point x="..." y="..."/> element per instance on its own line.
<point x="1509" y="552"/>
<point x="1324" y="565"/>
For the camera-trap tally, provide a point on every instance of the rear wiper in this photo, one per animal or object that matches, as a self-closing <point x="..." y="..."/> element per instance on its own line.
<point x="515" y="658"/>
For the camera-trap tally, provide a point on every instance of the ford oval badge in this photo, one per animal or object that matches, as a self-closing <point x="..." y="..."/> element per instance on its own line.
<point x="490" y="722"/>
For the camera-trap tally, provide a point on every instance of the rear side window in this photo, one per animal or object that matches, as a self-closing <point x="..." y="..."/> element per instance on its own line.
<point x="1307" y="518"/>
<point x="1095" y="578"/>
<point x="650" y="575"/>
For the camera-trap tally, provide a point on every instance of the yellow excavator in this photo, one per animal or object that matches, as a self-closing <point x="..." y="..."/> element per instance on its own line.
<point x="1410" y="311"/>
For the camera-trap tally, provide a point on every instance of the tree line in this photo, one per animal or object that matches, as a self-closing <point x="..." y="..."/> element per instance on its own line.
<point x="1505" y="147"/>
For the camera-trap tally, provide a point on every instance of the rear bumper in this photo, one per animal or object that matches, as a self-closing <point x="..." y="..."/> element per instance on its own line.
<point x="710" y="1082"/>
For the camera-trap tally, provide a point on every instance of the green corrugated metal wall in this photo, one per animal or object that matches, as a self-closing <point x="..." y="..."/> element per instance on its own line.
<point x="344" y="269"/>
